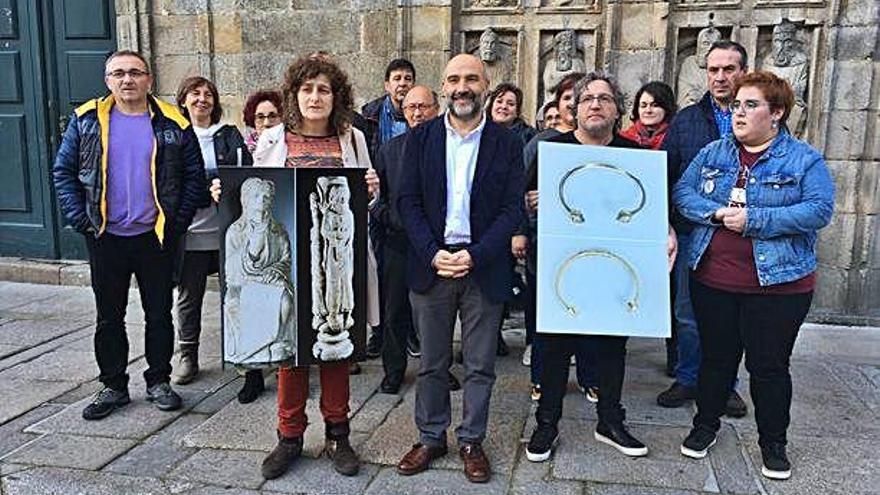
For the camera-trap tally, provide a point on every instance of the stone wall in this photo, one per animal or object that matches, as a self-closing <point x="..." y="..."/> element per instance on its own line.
<point x="244" y="45"/>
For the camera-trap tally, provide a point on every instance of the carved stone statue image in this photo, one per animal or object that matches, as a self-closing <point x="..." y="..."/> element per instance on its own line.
<point x="493" y="3"/>
<point x="789" y="61"/>
<point x="497" y="57"/>
<point x="259" y="317"/>
<point x="692" y="73"/>
<point x="332" y="266"/>
<point x="564" y="61"/>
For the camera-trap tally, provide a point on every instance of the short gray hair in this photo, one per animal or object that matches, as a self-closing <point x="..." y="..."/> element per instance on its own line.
<point x="619" y="99"/>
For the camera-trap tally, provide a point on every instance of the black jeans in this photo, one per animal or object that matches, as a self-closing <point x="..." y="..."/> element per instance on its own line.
<point x="611" y="364"/>
<point x="112" y="261"/>
<point x="398" y="312"/>
<point x="765" y="327"/>
<point x="197" y="265"/>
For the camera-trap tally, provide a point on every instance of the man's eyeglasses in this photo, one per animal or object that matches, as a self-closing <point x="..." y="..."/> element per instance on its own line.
<point x="134" y="73"/>
<point x="267" y="116"/>
<point x="602" y="99"/>
<point x="412" y="107"/>
<point x="747" y="106"/>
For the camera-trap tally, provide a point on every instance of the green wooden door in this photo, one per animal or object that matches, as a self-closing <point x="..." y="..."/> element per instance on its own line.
<point x="26" y="204"/>
<point x="83" y="34"/>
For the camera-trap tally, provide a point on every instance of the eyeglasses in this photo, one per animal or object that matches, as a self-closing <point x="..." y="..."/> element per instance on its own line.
<point x="747" y="106"/>
<point x="412" y="107"/>
<point x="134" y="73"/>
<point x="604" y="99"/>
<point x="268" y="116"/>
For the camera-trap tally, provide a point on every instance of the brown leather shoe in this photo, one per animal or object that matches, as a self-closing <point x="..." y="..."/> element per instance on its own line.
<point x="419" y="458"/>
<point x="476" y="465"/>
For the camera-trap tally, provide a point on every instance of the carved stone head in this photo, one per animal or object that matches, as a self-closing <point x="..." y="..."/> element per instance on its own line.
<point x="705" y="38"/>
<point x="257" y="197"/>
<point x="489" y="45"/>
<point x="566" y="49"/>
<point x="786" y="44"/>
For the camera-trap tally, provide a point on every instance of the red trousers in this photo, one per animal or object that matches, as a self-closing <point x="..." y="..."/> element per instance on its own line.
<point x="293" y="390"/>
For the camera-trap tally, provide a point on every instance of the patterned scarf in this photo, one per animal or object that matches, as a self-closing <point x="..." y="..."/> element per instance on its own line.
<point x="649" y="138"/>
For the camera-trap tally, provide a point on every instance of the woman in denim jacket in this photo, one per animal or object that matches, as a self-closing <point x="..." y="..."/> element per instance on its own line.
<point x="757" y="199"/>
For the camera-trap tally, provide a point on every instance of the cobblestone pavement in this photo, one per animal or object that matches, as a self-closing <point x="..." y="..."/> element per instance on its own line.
<point x="214" y="445"/>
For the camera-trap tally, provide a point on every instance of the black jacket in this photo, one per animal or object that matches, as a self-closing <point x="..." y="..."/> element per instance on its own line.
<point x="691" y="129"/>
<point x="179" y="172"/>
<point x="227" y="142"/>
<point x="389" y="168"/>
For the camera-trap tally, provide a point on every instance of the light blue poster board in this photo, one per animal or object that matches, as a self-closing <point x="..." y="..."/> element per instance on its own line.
<point x="602" y="234"/>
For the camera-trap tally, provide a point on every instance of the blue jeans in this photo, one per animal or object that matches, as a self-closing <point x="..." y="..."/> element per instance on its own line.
<point x="685" y="322"/>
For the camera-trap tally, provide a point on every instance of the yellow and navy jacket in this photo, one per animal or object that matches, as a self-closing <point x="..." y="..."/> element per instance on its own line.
<point x="177" y="169"/>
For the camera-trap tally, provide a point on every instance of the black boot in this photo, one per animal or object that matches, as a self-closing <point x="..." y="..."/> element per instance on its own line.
<point x="253" y="386"/>
<point x="282" y="456"/>
<point x="338" y="449"/>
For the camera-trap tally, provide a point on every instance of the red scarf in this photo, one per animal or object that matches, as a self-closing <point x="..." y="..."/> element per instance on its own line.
<point x="649" y="138"/>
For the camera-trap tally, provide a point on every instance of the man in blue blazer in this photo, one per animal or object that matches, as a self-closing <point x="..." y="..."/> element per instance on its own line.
<point x="460" y="202"/>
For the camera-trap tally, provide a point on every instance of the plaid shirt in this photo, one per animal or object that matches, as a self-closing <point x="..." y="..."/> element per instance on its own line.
<point x="723" y="119"/>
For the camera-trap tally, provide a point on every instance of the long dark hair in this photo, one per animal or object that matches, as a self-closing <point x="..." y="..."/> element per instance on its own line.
<point x="663" y="97"/>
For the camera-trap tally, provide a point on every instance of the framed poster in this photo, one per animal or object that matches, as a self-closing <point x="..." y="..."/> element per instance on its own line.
<point x="293" y="247"/>
<point x="602" y="234"/>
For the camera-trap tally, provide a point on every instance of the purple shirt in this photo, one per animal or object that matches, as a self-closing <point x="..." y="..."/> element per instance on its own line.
<point x="131" y="206"/>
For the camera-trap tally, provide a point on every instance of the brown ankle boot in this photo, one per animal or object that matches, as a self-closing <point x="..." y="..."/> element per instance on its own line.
<point x="339" y="450"/>
<point x="187" y="366"/>
<point x="282" y="456"/>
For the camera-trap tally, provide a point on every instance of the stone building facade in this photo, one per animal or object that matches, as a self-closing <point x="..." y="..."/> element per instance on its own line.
<point x="827" y="48"/>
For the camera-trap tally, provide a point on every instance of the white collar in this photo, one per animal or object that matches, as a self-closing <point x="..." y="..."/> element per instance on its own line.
<point x="476" y="132"/>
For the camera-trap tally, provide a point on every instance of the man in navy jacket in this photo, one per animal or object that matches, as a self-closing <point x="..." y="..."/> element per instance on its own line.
<point x="460" y="202"/>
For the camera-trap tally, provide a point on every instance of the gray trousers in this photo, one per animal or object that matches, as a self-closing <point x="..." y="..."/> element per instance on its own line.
<point x="434" y="312"/>
<point x="197" y="265"/>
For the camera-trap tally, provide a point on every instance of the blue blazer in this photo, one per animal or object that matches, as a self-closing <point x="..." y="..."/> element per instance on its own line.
<point x="497" y="205"/>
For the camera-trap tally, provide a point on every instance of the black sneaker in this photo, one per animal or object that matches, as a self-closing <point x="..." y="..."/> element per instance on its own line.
<point x="776" y="465"/>
<point x="617" y="436"/>
<point x="165" y="398"/>
<point x="390" y="384"/>
<point x="541" y="444"/>
<point x="736" y="406"/>
<point x="105" y="402"/>
<point x="697" y="443"/>
<point x="374" y="346"/>
<point x="413" y="346"/>
<point x="676" y="395"/>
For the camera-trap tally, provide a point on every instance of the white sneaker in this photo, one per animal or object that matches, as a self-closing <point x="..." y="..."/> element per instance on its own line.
<point x="527" y="356"/>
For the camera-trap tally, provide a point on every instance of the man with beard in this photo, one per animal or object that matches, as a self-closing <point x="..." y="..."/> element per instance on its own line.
<point x="789" y="61"/>
<point x="564" y="62"/>
<point x="460" y="202"/>
<point x="597" y="109"/>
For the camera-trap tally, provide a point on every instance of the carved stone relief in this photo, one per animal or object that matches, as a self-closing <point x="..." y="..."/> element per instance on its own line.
<point x="483" y="4"/>
<point x="258" y="303"/>
<point x="498" y="51"/>
<point x="562" y="53"/>
<point x="592" y="5"/>
<point x="787" y="56"/>
<point x="691" y="78"/>
<point x="332" y="266"/>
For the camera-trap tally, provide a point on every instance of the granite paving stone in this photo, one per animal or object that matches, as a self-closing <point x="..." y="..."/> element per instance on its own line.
<point x="31" y="332"/>
<point x="239" y="468"/>
<point x="732" y="468"/>
<point x="317" y="477"/>
<point x="87" y="389"/>
<point x="7" y="468"/>
<point x="371" y="415"/>
<point x="12" y="435"/>
<point x="217" y="400"/>
<point x="9" y="349"/>
<point x="35" y="352"/>
<point x="826" y="465"/>
<point x="20" y="396"/>
<point x="59" y="365"/>
<point x="159" y="453"/>
<point x="852" y="344"/>
<point x="72" y="303"/>
<point x="580" y="457"/>
<point x="433" y="482"/>
<point x="55" y="481"/>
<point x="68" y="451"/>
<point x="239" y="426"/>
<point x="862" y="379"/>
<point x="624" y="489"/>
<point x="14" y="295"/>
<point x="530" y="478"/>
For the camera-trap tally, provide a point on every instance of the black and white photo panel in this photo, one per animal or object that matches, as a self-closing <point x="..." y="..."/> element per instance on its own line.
<point x="331" y="264"/>
<point x="258" y="282"/>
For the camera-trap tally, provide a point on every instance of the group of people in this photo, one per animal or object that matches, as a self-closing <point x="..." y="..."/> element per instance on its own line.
<point x="453" y="204"/>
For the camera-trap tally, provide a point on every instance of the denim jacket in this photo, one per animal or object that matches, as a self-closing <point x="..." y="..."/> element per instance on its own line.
<point x="790" y="196"/>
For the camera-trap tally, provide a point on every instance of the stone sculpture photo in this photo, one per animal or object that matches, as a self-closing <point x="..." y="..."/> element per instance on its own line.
<point x="692" y="72"/>
<point x="332" y="268"/>
<point x="564" y="61"/>
<point x="497" y="56"/>
<point x="258" y="305"/>
<point x="789" y="61"/>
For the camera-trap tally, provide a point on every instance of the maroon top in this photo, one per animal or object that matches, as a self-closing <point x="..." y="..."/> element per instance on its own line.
<point x="729" y="262"/>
